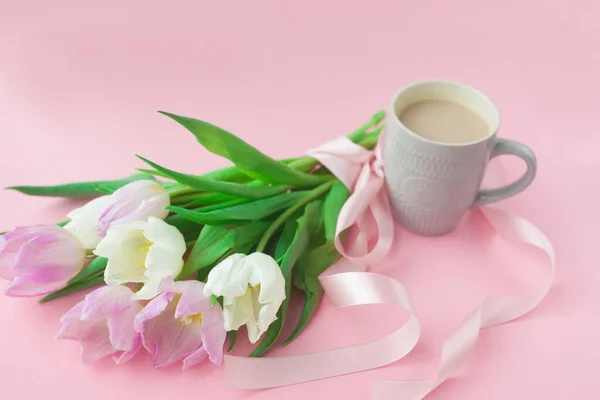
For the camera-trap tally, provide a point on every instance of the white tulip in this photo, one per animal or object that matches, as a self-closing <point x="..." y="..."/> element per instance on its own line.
<point x="252" y="288"/>
<point x="144" y="252"/>
<point x="84" y="221"/>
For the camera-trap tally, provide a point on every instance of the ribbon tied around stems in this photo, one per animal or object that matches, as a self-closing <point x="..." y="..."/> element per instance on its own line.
<point x="362" y="172"/>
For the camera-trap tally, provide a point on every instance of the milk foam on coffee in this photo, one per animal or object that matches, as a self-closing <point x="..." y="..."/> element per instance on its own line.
<point x="444" y="121"/>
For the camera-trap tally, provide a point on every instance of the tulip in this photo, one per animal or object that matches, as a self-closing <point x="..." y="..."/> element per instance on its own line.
<point x="103" y="324"/>
<point x="180" y="324"/>
<point x="39" y="259"/>
<point x="84" y="221"/>
<point x="144" y="252"/>
<point x="136" y="201"/>
<point x="252" y="288"/>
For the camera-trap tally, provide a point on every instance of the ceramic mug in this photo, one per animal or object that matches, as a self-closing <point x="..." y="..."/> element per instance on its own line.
<point x="431" y="185"/>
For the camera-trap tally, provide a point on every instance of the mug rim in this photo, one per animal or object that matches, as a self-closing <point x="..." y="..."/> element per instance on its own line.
<point x="484" y="97"/>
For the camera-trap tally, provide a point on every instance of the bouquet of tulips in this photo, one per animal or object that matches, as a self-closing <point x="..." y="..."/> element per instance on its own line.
<point x="186" y="260"/>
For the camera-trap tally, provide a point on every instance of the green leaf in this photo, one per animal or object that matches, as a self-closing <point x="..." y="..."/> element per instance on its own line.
<point x="247" y="158"/>
<point x="225" y="204"/>
<point x="78" y="189"/>
<point x="299" y="244"/>
<point x="232" y="336"/>
<point x="216" y="241"/>
<point x="334" y="201"/>
<point x="189" y="229"/>
<point x="227" y="174"/>
<point x="210" y="185"/>
<point x="315" y="223"/>
<point x="253" y="211"/>
<point x="205" y="199"/>
<point x="312" y="300"/>
<point x="94" y="267"/>
<point x="361" y="133"/>
<point x="306" y="278"/>
<point x="285" y="240"/>
<point x="75" y="287"/>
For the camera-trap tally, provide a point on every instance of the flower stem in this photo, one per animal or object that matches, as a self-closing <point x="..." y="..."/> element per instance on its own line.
<point x="368" y="141"/>
<point x="313" y="194"/>
<point x="359" y="135"/>
<point x="180" y="191"/>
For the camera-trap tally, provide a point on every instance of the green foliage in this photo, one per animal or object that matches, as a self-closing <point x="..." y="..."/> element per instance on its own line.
<point x="216" y="241"/>
<point x="334" y="201"/>
<point x="210" y="185"/>
<point x="80" y="189"/>
<point x="75" y="287"/>
<point x="247" y="158"/>
<point x="298" y="245"/>
<point x="94" y="267"/>
<point x="252" y="211"/>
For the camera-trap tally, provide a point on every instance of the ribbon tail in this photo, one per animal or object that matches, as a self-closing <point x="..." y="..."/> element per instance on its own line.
<point x="372" y="197"/>
<point x="491" y="312"/>
<point x="343" y="290"/>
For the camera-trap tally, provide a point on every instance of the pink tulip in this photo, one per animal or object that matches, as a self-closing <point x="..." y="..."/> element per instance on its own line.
<point x="103" y="324"/>
<point x="136" y="201"/>
<point x="180" y="324"/>
<point x="39" y="259"/>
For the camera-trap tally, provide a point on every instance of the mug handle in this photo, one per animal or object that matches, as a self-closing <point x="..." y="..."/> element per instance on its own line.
<point x="503" y="147"/>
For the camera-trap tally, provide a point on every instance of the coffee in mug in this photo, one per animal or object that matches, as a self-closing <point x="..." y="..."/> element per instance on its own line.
<point x="444" y="121"/>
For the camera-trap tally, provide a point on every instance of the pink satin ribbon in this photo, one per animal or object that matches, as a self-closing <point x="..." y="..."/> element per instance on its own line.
<point x="362" y="171"/>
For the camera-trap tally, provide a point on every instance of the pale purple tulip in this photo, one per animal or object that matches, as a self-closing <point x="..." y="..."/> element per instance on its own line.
<point x="136" y="201"/>
<point x="180" y="324"/>
<point x="39" y="259"/>
<point x="103" y="324"/>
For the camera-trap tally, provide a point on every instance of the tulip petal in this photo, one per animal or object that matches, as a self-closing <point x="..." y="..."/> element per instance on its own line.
<point x="264" y="270"/>
<point x="10" y="243"/>
<point x="107" y="301"/>
<point x="165" y="255"/>
<point x="192" y="300"/>
<point x="152" y="309"/>
<point x="56" y="251"/>
<point x="104" y="324"/>
<point x="20" y="287"/>
<point x="227" y="279"/>
<point x="84" y="221"/>
<point x="72" y="328"/>
<point x="254" y="332"/>
<point x="96" y="343"/>
<point x="213" y="334"/>
<point x="74" y="314"/>
<point x="237" y="311"/>
<point x="124" y="356"/>
<point x="124" y="246"/>
<point x="93" y="337"/>
<point x="136" y="201"/>
<point x="168" y="339"/>
<point x="195" y="358"/>
<point x="149" y="291"/>
<point x="253" y="288"/>
<point x="120" y="326"/>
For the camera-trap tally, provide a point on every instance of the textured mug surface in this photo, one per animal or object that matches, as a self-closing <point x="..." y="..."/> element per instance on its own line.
<point x="432" y="184"/>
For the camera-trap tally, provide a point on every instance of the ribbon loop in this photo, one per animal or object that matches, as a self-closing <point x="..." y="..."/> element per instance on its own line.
<point x="362" y="173"/>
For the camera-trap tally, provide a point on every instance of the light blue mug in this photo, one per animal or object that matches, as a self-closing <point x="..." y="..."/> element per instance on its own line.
<point x="431" y="184"/>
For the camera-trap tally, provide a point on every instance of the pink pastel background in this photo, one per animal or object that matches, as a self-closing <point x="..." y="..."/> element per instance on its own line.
<point x="79" y="86"/>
